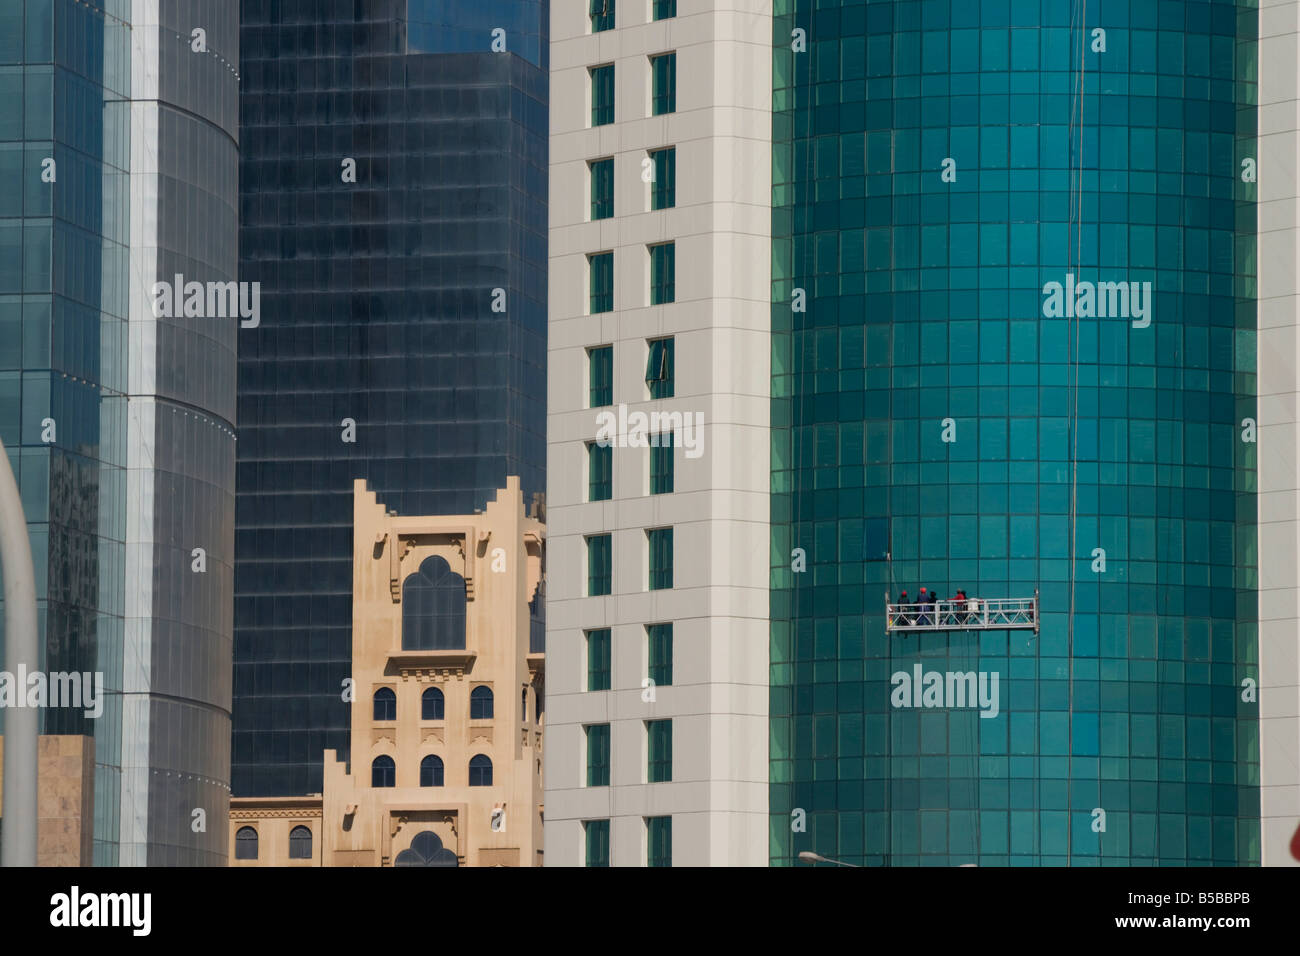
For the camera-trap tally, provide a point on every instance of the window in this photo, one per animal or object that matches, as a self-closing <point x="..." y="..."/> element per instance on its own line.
<point x="383" y="772"/>
<point x="663" y="268"/>
<point x="601" y="267"/>
<point x="600" y="471"/>
<point x="659" y="751"/>
<point x="661" y="558"/>
<point x="433" y="608"/>
<point x="480" y="771"/>
<point x="602" y="188"/>
<point x="598" y="755"/>
<point x="597" y="832"/>
<point x="385" y="704"/>
<point x="663" y="9"/>
<point x="600" y="376"/>
<point x="523" y="706"/>
<point x="426" y="850"/>
<point x="246" y="844"/>
<point x="661" y="463"/>
<point x="663" y="84"/>
<point x="659" y="368"/>
<point x="598" y="565"/>
<point x="432" y="705"/>
<point x="431" y="774"/>
<point x="598" y="658"/>
<point x="602" y="95"/>
<point x="602" y="15"/>
<point x="659" y="653"/>
<point x="480" y="703"/>
<point x="663" y="188"/>
<point x="875" y="539"/>
<point x="659" y="841"/>
<point x="300" y="843"/>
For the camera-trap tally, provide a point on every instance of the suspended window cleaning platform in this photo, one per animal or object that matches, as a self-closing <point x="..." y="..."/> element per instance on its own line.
<point x="972" y="614"/>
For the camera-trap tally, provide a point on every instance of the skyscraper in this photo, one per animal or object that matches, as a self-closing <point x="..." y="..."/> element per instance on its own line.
<point x="392" y="187"/>
<point x="118" y="148"/>
<point x="657" y="485"/>
<point x="956" y="183"/>
<point x="1012" y="339"/>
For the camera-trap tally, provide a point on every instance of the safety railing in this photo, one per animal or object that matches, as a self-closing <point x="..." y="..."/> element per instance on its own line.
<point x="972" y="614"/>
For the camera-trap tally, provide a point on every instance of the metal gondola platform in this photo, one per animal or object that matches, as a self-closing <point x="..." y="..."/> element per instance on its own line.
<point x="973" y="614"/>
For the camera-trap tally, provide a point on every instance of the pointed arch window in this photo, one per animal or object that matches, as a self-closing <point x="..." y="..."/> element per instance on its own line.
<point x="433" y="608"/>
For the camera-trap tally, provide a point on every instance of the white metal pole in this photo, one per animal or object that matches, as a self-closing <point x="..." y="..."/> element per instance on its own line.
<point x="21" y="722"/>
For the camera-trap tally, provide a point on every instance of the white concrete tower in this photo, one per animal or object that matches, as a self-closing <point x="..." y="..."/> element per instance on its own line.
<point x="1279" y="433"/>
<point x="709" y="293"/>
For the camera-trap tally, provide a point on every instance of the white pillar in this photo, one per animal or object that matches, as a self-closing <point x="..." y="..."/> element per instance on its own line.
<point x="21" y="653"/>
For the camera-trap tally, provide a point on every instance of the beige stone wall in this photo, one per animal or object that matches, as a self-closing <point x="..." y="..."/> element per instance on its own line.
<point x="274" y="819"/>
<point x="499" y="553"/>
<point x="65" y="800"/>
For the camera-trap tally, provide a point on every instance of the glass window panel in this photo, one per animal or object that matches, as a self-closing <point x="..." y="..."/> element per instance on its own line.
<point x="600" y="376"/>
<point x="602" y="95"/>
<point x="659" y="655"/>
<point x="598" y="755"/>
<point x="663" y="9"/>
<point x="600" y="471"/>
<point x="601" y="267"/>
<point x="659" y="841"/>
<point x="663" y="188"/>
<point x="597" y="836"/>
<point x="663" y="70"/>
<point x="659" y="749"/>
<point x="602" y="188"/>
<point x="659" y="368"/>
<point x="661" y="558"/>
<point x="602" y="15"/>
<point x="598" y="659"/>
<point x="661" y="463"/>
<point x="663" y="271"/>
<point x="598" y="565"/>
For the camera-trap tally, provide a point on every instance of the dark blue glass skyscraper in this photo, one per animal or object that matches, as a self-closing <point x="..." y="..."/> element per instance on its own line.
<point x="393" y="200"/>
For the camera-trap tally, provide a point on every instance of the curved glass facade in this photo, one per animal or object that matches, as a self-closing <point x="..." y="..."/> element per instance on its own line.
<point x="945" y="417"/>
<point x="119" y="422"/>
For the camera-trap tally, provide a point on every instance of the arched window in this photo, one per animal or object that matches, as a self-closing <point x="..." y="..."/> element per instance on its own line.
<point x="426" y="850"/>
<point x="246" y="844"/>
<point x="432" y="705"/>
<point x="523" y="706"/>
<point x="383" y="772"/>
<point x="480" y="771"/>
<point x="480" y="703"/>
<point x="431" y="771"/>
<point x="385" y="704"/>
<point x="300" y="843"/>
<point x="433" y="608"/>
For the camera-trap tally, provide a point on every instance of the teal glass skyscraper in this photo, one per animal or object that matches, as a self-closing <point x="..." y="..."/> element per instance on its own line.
<point x="1013" y="325"/>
